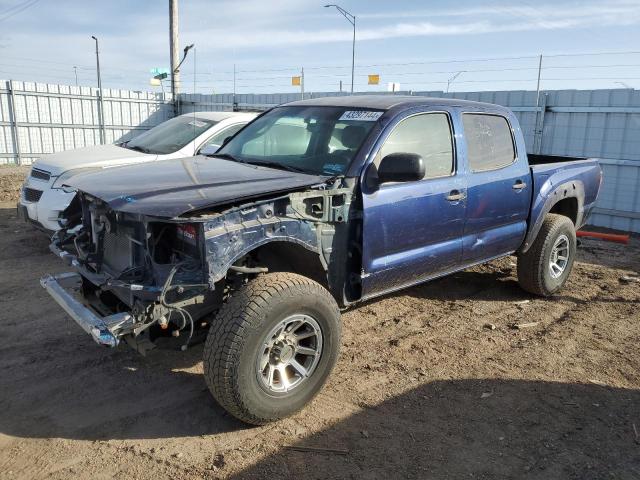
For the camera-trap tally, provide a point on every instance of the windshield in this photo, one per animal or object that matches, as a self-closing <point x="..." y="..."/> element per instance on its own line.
<point x="315" y="140"/>
<point x="170" y="136"/>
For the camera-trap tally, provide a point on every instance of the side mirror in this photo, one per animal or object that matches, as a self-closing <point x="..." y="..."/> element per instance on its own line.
<point x="401" y="167"/>
<point x="209" y="149"/>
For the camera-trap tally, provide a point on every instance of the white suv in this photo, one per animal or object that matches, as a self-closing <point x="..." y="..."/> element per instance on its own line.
<point x="42" y="198"/>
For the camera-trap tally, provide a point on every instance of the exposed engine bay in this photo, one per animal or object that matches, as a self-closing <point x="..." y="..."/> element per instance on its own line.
<point x="150" y="278"/>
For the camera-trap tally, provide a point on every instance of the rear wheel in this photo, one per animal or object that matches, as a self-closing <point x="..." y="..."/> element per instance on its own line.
<point x="272" y="346"/>
<point x="545" y="267"/>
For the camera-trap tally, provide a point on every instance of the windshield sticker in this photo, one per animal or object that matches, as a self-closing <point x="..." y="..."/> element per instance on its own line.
<point x="197" y="123"/>
<point x="361" y="115"/>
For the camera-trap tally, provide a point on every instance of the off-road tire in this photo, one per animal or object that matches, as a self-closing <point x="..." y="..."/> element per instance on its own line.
<point x="237" y="333"/>
<point x="534" y="274"/>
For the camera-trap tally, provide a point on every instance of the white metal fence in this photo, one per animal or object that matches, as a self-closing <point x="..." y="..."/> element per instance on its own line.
<point x="37" y="118"/>
<point x="41" y="118"/>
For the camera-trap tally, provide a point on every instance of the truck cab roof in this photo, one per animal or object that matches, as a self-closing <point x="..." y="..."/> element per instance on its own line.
<point x="388" y="102"/>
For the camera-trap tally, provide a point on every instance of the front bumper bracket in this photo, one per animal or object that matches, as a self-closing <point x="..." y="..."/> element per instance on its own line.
<point x="102" y="329"/>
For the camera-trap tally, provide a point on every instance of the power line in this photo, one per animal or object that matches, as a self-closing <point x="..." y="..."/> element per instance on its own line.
<point x="70" y="65"/>
<point x="491" y="80"/>
<point x="295" y="69"/>
<point x="18" y="9"/>
<point x="27" y="59"/>
<point x="430" y="72"/>
<point x="14" y="7"/>
<point x="217" y="78"/>
<point x="335" y="75"/>
<point x="592" y="54"/>
<point x="434" y="62"/>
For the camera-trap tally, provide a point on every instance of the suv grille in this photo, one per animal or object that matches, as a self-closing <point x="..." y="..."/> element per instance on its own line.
<point x="40" y="174"/>
<point x="31" y="194"/>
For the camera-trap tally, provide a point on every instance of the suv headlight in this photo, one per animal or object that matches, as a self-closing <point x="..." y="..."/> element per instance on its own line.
<point x="64" y="176"/>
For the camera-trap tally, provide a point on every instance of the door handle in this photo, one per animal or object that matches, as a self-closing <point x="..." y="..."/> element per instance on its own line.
<point x="519" y="185"/>
<point x="456" y="195"/>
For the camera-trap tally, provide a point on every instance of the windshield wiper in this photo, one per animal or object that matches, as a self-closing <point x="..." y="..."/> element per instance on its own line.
<point x="139" y="149"/>
<point x="331" y="180"/>
<point x="226" y="156"/>
<point x="280" y="166"/>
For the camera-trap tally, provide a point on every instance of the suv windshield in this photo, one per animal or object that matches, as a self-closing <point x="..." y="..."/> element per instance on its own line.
<point x="170" y="136"/>
<point x="315" y="140"/>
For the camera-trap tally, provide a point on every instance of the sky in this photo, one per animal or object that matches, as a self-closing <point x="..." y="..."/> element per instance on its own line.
<point x="421" y="45"/>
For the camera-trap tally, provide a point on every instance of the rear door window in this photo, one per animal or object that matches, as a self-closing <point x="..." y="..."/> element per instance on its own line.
<point x="489" y="141"/>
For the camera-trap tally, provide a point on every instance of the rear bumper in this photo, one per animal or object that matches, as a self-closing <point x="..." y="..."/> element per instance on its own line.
<point x="102" y="329"/>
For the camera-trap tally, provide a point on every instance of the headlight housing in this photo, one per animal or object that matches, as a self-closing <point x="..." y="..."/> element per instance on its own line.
<point x="64" y="176"/>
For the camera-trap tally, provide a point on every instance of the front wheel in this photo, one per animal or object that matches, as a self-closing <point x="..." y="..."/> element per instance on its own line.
<point x="272" y="346"/>
<point x="545" y="267"/>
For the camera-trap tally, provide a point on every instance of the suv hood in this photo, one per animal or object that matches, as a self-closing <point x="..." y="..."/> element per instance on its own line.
<point x="174" y="187"/>
<point x="96" y="156"/>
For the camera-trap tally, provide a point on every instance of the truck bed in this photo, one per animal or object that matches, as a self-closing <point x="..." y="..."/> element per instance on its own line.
<point x="553" y="164"/>
<point x="560" y="168"/>
<point x="546" y="159"/>
<point x="551" y="172"/>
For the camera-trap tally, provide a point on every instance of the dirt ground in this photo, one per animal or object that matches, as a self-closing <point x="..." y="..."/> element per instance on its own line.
<point x="424" y="388"/>
<point x="11" y="178"/>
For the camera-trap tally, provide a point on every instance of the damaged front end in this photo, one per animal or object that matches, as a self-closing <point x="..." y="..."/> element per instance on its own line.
<point x="133" y="272"/>
<point x="141" y="279"/>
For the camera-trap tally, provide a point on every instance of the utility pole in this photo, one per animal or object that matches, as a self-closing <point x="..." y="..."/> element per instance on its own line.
<point x="100" y="102"/>
<point x="75" y="71"/>
<point x="235" y="105"/>
<point x="353" y="52"/>
<point x="540" y="111"/>
<point x="538" y="85"/>
<point x="174" y="48"/>
<point x="302" y="82"/>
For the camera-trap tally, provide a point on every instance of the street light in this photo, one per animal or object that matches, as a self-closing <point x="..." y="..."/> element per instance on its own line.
<point x="101" y="105"/>
<point x="352" y="20"/>
<point x="175" y="80"/>
<point x="450" y="81"/>
<point x="184" y="57"/>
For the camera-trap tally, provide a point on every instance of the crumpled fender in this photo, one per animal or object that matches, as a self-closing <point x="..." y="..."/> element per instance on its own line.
<point x="303" y="218"/>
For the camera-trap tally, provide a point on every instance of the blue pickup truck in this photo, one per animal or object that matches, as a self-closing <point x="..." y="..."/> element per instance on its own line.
<point x="313" y="207"/>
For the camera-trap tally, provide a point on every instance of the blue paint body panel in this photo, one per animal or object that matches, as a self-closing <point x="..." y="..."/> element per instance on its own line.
<point x="496" y="220"/>
<point x="183" y="185"/>
<point x="412" y="233"/>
